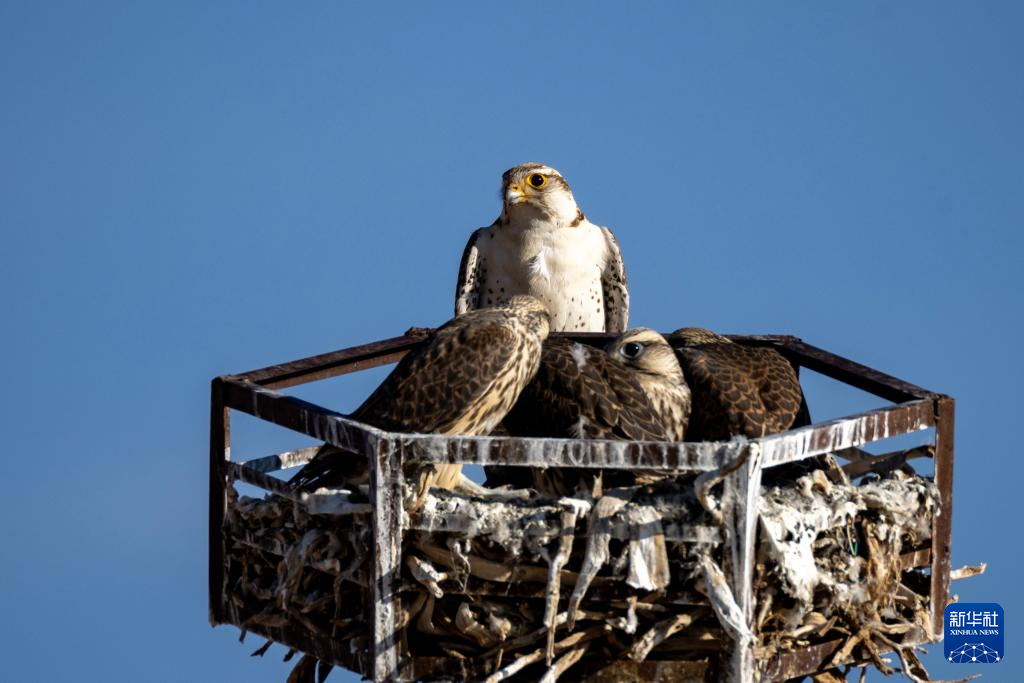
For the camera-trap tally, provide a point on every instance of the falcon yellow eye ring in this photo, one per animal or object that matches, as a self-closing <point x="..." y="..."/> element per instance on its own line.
<point x="632" y="350"/>
<point x="537" y="180"/>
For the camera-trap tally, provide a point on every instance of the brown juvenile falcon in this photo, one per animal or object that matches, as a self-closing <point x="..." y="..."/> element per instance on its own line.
<point x="632" y="390"/>
<point x="461" y="381"/>
<point x="737" y="390"/>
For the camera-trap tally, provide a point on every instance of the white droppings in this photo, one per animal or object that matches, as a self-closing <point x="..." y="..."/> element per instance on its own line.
<point x="579" y="354"/>
<point x="852" y="431"/>
<point x="618" y="452"/>
<point x="794" y="518"/>
<point x="435" y="448"/>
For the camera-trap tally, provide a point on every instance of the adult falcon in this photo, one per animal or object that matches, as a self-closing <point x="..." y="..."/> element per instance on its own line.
<point x="543" y="245"/>
<point x="462" y="381"/>
<point x="632" y="390"/>
<point x="737" y="390"/>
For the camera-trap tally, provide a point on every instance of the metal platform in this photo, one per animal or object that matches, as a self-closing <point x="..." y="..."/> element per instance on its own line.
<point x="257" y="393"/>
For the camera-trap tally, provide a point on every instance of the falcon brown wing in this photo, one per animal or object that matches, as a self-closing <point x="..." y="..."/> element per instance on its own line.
<point x="467" y="284"/>
<point x="455" y="382"/>
<point x="779" y="388"/>
<point x="738" y="390"/>
<point x="614" y="287"/>
<point x="577" y="392"/>
<point x="430" y="390"/>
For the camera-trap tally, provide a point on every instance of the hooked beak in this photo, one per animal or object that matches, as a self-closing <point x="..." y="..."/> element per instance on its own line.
<point x="514" y="194"/>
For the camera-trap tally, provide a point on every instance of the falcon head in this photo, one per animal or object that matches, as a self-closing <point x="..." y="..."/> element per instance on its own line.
<point x="694" y="336"/>
<point x="535" y="191"/>
<point x="645" y="351"/>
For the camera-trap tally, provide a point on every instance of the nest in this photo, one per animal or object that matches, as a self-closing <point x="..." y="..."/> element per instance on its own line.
<point x="513" y="586"/>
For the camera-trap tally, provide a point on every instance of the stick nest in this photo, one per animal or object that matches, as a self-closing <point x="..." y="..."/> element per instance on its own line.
<point x="514" y="586"/>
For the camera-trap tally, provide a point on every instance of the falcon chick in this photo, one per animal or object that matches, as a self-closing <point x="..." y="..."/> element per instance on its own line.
<point x="737" y="389"/>
<point x="632" y="390"/>
<point x="462" y="381"/>
<point x="543" y="245"/>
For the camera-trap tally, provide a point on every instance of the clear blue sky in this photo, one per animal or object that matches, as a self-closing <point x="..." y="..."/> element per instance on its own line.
<point x="193" y="189"/>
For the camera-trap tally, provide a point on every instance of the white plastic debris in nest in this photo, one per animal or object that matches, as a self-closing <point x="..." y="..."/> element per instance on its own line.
<point x="792" y="519"/>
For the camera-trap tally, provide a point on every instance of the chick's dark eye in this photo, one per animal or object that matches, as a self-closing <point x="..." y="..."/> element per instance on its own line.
<point x="537" y="180"/>
<point x="631" y="350"/>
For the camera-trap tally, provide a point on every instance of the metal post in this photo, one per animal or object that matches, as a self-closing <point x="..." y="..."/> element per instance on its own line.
<point x="942" y="523"/>
<point x="742" y="490"/>
<point x="220" y="451"/>
<point x="386" y="500"/>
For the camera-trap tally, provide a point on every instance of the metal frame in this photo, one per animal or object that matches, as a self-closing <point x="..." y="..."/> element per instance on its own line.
<point x="255" y="393"/>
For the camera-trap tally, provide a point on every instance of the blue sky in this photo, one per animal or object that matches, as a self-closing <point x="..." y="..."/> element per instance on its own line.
<point x="192" y="189"/>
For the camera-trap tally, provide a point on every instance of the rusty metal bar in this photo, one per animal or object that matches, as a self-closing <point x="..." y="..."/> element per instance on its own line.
<point x="800" y="663"/>
<point x="355" y="358"/>
<point x="220" y="445"/>
<point x="352" y="359"/>
<point x="264" y="481"/>
<point x="386" y="501"/>
<point x="327" y="425"/>
<point x="810" y="660"/>
<point x="332" y="364"/>
<point x="373" y="354"/>
<point x="282" y="461"/>
<point x="298" y="415"/>
<point x="851" y="372"/>
<point x="942" y="523"/>
<point x="817" y="439"/>
<point x="845" y="432"/>
<point x="536" y="452"/>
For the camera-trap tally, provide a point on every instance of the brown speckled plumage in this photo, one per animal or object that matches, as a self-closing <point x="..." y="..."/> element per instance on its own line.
<point x="461" y="381"/>
<point x="583" y="392"/>
<point x="737" y="389"/>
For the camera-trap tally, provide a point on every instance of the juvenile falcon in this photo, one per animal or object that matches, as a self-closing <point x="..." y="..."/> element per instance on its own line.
<point x="737" y="389"/>
<point x="543" y="245"/>
<point x="632" y="390"/>
<point x="461" y="381"/>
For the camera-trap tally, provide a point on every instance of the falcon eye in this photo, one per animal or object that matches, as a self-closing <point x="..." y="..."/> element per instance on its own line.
<point x="537" y="180"/>
<point x="631" y="350"/>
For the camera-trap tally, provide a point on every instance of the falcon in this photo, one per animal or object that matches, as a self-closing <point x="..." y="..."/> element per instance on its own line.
<point x="462" y="381"/>
<point x="737" y="390"/>
<point x="543" y="245"/>
<point x="632" y="390"/>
